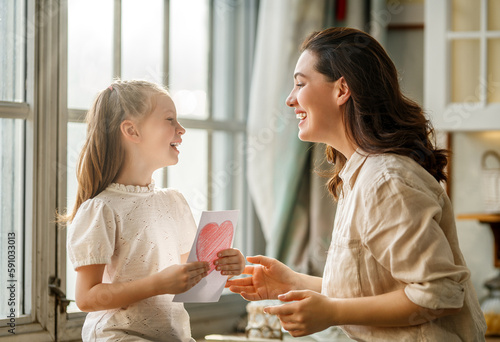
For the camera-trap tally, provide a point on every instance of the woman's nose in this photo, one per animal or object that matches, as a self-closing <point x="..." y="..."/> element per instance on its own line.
<point x="291" y="100"/>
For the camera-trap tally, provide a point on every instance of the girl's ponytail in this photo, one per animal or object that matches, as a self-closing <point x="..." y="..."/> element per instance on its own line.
<point x="102" y="154"/>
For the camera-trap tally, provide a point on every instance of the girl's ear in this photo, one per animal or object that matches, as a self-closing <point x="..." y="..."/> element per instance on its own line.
<point x="344" y="93"/>
<point x="129" y="131"/>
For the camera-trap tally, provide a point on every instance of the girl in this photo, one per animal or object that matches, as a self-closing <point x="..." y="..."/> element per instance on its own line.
<point x="128" y="240"/>
<point x="394" y="270"/>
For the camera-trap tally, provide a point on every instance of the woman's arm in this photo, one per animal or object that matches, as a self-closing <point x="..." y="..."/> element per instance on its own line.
<point x="311" y="312"/>
<point x="93" y="295"/>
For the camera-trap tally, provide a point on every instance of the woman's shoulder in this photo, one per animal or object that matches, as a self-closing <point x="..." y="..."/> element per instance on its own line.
<point x="386" y="168"/>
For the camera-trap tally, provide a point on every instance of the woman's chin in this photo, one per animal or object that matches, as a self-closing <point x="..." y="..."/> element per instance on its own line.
<point x="303" y="136"/>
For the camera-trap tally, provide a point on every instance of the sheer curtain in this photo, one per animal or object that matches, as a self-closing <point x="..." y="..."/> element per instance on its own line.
<point x="279" y="171"/>
<point x="292" y="204"/>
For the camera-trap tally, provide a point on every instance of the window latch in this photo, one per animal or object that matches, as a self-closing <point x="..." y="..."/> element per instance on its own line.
<point x="55" y="290"/>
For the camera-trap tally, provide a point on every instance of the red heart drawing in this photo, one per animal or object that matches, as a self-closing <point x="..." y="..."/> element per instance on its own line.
<point x="212" y="239"/>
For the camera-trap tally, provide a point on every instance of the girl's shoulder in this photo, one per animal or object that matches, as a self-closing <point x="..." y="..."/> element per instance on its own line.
<point x="170" y="194"/>
<point x="93" y="210"/>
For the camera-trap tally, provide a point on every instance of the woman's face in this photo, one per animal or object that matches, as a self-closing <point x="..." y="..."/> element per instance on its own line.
<point x="318" y="104"/>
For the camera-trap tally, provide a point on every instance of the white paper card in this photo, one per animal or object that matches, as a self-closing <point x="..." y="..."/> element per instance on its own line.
<point x="215" y="233"/>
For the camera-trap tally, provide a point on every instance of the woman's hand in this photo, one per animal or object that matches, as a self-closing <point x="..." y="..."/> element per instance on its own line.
<point x="180" y="278"/>
<point x="269" y="279"/>
<point x="308" y="313"/>
<point x="230" y="262"/>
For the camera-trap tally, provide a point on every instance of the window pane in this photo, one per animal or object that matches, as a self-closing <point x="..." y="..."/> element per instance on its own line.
<point x="227" y="177"/>
<point x="12" y="50"/>
<point x="11" y="218"/>
<point x="90" y="50"/>
<point x="224" y="64"/>
<point x="189" y="176"/>
<point x="76" y="139"/>
<point x="465" y="70"/>
<point x="188" y="53"/>
<point x="493" y="70"/>
<point x="465" y="15"/>
<point x="233" y="25"/>
<point x="494" y="15"/>
<point x="142" y="40"/>
<point x="227" y="169"/>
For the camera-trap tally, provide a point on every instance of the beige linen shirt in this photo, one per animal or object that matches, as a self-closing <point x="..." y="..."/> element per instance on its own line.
<point x="394" y="229"/>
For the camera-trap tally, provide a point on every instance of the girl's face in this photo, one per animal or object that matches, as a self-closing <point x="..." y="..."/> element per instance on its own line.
<point x="161" y="134"/>
<point x="317" y="103"/>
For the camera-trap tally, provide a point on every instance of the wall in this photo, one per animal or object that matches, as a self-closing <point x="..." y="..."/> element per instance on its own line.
<point x="476" y="239"/>
<point x="405" y="46"/>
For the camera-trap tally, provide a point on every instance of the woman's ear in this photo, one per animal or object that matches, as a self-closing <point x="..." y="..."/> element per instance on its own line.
<point x="344" y="93"/>
<point x="129" y="131"/>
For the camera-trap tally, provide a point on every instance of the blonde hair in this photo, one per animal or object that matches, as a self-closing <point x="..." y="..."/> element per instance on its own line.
<point x="102" y="154"/>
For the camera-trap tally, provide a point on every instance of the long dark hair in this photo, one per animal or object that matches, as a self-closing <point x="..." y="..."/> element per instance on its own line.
<point x="378" y="118"/>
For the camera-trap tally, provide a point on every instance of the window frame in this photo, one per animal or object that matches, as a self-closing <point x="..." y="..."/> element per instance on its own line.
<point x="42" y="86"/>
<point x="46" y="117"/>
<point x="231" y="306"/>
<point x="446" y="115"/>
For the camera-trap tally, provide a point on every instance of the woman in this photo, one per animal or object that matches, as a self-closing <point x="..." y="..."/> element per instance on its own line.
<point x="394" y="270"/>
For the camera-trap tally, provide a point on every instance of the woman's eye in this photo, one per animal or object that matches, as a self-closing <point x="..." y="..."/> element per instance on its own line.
<point x="300" y="85"/>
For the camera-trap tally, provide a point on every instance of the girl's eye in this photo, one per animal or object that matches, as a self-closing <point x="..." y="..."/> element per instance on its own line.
<point x="300" y="85"/>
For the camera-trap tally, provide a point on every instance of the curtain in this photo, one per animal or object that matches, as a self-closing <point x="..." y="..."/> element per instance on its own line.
<point x="290" y="199"/>
<point x="278" y="162"/>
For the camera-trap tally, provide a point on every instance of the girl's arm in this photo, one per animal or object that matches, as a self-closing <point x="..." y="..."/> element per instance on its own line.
<point x="93" y="295"/>
<point x="311" y="312"/>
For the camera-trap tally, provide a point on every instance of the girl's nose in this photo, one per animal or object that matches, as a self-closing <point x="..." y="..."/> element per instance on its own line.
<point x="181" y="130"/>
<point x="291" y="101"/>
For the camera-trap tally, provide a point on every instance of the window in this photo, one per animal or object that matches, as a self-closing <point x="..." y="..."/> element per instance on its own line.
<point x="28" y="167"/>
<point x="462" y="75"/>
<point x="13" y="114"/>
<point x="42" y="124"/>
<point x="202" y="51"/>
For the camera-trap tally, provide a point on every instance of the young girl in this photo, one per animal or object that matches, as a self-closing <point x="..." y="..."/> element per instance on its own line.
<point x="394" y="270"/>
<point x="128" y="240"/>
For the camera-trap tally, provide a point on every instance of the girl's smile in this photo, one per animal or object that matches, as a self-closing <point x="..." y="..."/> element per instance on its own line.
<point x="174" y="145"/>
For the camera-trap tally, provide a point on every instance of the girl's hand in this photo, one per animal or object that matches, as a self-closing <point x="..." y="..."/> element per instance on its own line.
<point x="180" y="278"/>
<point x="230" y="262"/>
<point x="269" y="279"/>
<point x="310" y="312"/>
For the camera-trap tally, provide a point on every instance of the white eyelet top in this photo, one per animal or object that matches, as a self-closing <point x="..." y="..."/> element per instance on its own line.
<point x="135" y="231"/>
<point x="133" y="188"/>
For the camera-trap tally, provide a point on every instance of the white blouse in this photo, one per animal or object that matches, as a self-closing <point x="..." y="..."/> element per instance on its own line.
<point x="395" y="229"/>
<point x="135" y="232"/>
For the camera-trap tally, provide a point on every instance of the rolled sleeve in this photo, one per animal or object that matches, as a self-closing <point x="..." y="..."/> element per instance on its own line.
<point x="91" y="235"/>
<point x="437" y="294"/>
<point x="404" y="235"/>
